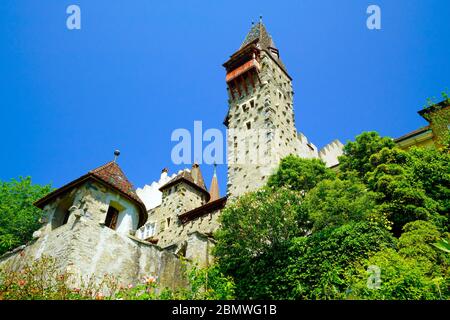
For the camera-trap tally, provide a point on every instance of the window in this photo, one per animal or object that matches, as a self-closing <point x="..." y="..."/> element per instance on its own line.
<point x="111" y="217"/>
<point x="244" y="107"/>
<point x="252" y="103"/>
<point x="149" y="230"/>
<point x="168" y="222"/>
<point x="62" y="212"/>
<point x="249" y="125"/>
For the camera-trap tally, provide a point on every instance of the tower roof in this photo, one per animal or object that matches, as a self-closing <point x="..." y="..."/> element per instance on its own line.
<point x="109" y="174"/>
<point x="260" y="37"/>
<point x="259" y="32"/>
<point x="193" y="177"/>
<point x="214" y="188"/>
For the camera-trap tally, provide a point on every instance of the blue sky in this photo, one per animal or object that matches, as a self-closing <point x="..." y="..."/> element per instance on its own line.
<point x="139" y="69"/>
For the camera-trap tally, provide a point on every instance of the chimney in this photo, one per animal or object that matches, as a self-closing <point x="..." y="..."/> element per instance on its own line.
<point x="163" y="174"/>
<point x="195" y="172"/>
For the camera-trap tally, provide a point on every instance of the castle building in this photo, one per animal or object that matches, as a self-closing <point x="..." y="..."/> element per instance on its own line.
<point x="100" y="224"/>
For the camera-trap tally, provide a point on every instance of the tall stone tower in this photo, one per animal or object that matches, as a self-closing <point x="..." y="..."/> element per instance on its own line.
<point x="260" y="118"/>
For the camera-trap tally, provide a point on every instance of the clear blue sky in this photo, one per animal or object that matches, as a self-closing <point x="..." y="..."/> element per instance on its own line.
<point x="139" y="69"/>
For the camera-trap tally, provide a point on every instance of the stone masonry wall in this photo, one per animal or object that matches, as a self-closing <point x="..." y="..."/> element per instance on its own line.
<point x="91" y="250"/>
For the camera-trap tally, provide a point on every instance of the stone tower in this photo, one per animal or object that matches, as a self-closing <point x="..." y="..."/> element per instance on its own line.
<point x="260" y="118"/>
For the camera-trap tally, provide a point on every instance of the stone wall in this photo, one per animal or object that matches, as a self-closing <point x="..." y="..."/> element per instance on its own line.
<point x="89" y="249"/>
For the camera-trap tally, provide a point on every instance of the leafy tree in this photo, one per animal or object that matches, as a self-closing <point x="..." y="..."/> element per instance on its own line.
<point x="413" y="185"/>
<point x="333" y="203"/>
<point x="299" y="174"/>
<point x="255" y="232"/>
<point x="319" y="264"/>
<point x="416" y="270"/>
<point x="357" y="153"/>
<point x="18" y="217"/>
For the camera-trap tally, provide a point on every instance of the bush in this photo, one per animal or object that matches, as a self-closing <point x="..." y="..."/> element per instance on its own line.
<point x="414" y="271"/>
<point x="319" y="264"/>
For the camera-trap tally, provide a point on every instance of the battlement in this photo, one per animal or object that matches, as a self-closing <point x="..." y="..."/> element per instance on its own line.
<point x="330" y="153"/>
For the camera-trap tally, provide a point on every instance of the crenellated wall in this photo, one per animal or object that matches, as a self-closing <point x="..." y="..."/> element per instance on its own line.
<point x="330" y="153"/>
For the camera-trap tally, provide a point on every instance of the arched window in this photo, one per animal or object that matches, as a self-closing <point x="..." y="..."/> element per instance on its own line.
<point x="62" y="213"/>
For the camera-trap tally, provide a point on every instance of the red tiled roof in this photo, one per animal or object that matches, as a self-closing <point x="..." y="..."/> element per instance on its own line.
<point x="113" y="175"/>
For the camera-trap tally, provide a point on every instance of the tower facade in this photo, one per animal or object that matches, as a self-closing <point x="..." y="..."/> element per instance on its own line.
<point x="260" y="118"/>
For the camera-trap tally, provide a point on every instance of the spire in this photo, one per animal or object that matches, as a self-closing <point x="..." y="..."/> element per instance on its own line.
<point x="214" y="188"/>
<point x="258" y="33"/>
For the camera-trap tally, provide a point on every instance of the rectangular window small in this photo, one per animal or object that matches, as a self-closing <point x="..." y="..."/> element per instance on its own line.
<point x="111" y="218"/>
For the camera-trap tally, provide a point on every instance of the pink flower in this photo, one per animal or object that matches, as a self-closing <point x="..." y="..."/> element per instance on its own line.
<point x="130" y="286"/>
<point x="22" y="283"/>
<point x="149" y="280"/>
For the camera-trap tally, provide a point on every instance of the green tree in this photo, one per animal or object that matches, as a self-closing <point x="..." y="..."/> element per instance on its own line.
<point x="357" y="153"/>
<point x="18" y="217"/>
<point x="413" y="185"/>
<point x="299" y="174"/>
<point x="251" y="244"/>
<point x="333" y="203"/>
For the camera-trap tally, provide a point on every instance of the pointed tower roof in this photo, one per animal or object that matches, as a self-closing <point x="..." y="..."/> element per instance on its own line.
<point x="259" y="36"/>
<point x="259" y="32"/>
<point x="109" y="174"/>
<point x="214" y="188"/>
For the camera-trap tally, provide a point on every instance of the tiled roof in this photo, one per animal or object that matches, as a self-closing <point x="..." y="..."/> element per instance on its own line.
<point x="214" y="188"/>
<point x="188" y="177"/>
<point x="113" y="175"/>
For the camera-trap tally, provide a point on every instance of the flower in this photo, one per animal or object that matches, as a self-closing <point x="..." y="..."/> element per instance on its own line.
<point x="130" y="286"/>
<point x="149" y="280"/>
<point x="22" y="283"/>
<point x="99" y="296"/>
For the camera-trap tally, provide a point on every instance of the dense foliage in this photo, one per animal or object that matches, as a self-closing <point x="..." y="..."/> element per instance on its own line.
<point x="376" y="229"/>
<point x="18" y="217"/>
